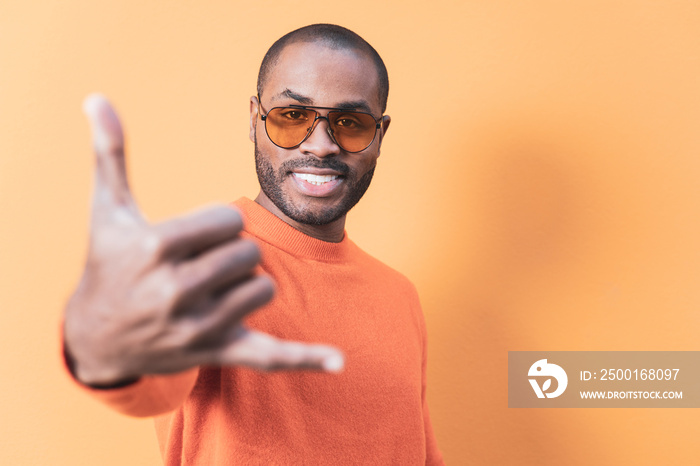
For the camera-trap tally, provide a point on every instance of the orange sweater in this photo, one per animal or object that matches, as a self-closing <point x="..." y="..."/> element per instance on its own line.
<point x="375" y="412"/>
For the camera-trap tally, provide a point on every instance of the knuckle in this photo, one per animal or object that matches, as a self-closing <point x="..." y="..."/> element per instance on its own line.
<point x="271" y="366"/>
<point x="294" y="353"/>
<point x="272" y="363"/>
<point x="187" y="335"/>
<point x="112" y="145"/>
<point x="287" y="356"/>
<point x="165" y="291"/>
<point x="153" y="244"/>
<point x="170" y="292"/>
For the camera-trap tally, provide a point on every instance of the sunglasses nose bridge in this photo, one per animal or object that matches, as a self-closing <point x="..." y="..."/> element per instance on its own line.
<point x="316" y="122"/>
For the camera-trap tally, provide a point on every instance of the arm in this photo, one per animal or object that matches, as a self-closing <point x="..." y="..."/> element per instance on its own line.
<point x="157" y="300"/>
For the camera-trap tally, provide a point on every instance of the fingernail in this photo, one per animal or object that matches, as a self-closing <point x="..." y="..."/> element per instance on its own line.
<point x="106" y="131"/>
<point x="333" y="364"/>
<point x="91" y="107"/>
<point x="92" y="103"/>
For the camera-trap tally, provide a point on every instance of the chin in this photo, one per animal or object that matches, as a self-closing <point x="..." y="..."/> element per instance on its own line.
<point x="313" y="215"/>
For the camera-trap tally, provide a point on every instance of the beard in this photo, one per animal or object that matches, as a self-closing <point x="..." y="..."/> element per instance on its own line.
<point x="271" y="183"/>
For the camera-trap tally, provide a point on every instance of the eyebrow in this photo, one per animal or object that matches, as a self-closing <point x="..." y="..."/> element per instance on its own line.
<point x="304" y="100"/>
<point x="356" y="105"/>
<point x="298" y="97"/>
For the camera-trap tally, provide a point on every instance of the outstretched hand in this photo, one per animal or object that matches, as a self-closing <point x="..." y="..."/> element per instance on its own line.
<point x="156" y="299"/>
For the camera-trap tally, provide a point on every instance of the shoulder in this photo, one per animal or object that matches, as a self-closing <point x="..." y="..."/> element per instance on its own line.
<point x="396" y="288"/>
<point x="386" y="274"/>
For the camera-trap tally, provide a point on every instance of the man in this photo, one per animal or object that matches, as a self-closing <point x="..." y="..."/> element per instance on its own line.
<point x="155" y="325"/>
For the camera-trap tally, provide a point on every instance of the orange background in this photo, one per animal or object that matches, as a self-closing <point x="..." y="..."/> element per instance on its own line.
<point x="539" y="185"/>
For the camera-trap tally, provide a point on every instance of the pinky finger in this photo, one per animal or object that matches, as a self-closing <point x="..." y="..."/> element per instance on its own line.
<point x="262" y="351"/>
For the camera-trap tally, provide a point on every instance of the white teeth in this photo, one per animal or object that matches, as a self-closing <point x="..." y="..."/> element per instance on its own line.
<point x="316" y="180"/>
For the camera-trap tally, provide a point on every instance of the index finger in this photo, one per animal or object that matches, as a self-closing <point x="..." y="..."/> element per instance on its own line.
<point x="198" y="231"/>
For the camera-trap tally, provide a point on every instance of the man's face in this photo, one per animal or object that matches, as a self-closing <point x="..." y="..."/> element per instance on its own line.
<point x="317" y="182"/>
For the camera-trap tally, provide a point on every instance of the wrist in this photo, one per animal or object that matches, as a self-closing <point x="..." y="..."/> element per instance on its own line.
<point x="89" y="381"/>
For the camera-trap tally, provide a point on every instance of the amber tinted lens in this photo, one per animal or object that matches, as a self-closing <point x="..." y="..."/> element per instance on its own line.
<point x="287" y="127"/>
<point x="353" y="131"/>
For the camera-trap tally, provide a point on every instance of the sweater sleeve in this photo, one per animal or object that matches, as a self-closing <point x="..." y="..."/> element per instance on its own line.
<point x="150" y="396"/>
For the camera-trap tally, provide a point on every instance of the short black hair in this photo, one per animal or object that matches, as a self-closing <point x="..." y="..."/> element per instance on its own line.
<point x="334" y="37"/>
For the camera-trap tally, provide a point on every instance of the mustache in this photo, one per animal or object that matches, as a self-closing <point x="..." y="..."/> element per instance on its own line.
<point x="314" y="162"/>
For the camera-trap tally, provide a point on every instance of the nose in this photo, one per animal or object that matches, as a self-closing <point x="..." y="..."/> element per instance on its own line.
<point x="320" y="142"/>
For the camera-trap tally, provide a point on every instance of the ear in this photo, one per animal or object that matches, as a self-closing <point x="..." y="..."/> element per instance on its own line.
<point x="253" y="117"/>
<point x="386" y="121"/>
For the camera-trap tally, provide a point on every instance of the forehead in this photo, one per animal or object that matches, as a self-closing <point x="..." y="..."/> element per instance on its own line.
<point x="328" y="77"/>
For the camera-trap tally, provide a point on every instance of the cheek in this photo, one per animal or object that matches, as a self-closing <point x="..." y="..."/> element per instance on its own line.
<point x="367" y="163"/>
<point x="273" y="158"/>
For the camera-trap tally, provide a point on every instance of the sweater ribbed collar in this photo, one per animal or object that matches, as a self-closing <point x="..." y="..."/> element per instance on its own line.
<point x="267" y="227"/>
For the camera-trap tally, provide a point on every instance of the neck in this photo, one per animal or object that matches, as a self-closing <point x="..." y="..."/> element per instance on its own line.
<point x="332" y="232"/>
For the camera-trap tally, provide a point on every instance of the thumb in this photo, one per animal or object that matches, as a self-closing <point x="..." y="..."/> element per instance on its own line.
<point x="111" y="191"/>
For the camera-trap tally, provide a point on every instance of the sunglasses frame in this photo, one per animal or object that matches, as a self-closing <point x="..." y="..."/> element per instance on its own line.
<point x="263" y="117"/>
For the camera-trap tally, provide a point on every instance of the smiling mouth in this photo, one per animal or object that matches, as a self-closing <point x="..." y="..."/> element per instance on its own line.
<point x="316" y="180"/>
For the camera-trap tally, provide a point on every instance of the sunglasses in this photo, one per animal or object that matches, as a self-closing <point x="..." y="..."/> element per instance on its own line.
<point x="287" y="127"/>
